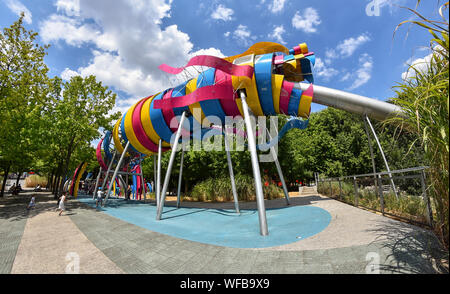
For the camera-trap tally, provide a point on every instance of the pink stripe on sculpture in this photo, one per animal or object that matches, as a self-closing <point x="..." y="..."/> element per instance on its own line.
<point x="214" y="62"/>
<point x="139" y="130"/>
<point x="99" y="156"/>
<point x="229" y="106"/>
<point x="285" y="95"/>
<point x="223" y="91"/>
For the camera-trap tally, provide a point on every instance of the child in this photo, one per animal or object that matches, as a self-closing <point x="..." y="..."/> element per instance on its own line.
<point x="32" y="203"/>
<point x="61" y="207"/>
<point x="99" y="197"/>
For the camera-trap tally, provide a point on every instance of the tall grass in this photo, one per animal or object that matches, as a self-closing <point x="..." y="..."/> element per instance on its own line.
<point x="424" y="98"/>
<point x="34" y="180"/>
<point x="219" y="189"/>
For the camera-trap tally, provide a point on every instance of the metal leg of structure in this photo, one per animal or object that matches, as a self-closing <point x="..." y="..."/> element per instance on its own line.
<point x="158" y="181"/>
<point x="154" y="175"/>
<point x="230" y="169"/>
<point x="96" y="183"/>
<point x="280" y="172"/>
<point x="384" y="157"/>
<point x="108" y="171"/>
<point x="371" y="154"/>
<point x="255" y="164"/>
<point x="180" y="178"/>
<point x="169" y="168"/>
<point x="142" y="179"/>
<point x="119" y="164"/>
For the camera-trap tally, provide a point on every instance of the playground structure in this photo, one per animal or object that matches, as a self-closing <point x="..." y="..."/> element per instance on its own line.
<point x="266" y="80"/>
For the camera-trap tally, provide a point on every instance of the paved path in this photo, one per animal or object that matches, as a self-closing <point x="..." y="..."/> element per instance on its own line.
<point x="48" y="244"/>
<point x="350" y="244"/>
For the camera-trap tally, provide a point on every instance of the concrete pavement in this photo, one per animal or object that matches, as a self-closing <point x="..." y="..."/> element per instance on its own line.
<point x="356" y="241"/>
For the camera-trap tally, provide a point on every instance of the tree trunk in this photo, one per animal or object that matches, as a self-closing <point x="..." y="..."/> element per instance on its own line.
<point x="49" y="182"/>
<point x="18" y="178"/>
<point x="66" y="166"/>
<point x="56" y="185"/>
<point x="5" y="179"/>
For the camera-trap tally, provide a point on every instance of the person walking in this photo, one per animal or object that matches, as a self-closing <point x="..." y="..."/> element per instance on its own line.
<point x="61" y="206"/>
<point x="99" y="197"/>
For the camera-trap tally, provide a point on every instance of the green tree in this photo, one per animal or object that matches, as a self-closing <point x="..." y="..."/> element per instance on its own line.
<point x="79" y="109"/>
<point x="23" y="76"/>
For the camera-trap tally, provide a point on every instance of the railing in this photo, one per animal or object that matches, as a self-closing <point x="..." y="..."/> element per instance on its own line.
<point x="410" y="202"/>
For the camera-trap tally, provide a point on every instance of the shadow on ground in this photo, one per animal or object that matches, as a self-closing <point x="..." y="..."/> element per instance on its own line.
<point x="412" y="250"/>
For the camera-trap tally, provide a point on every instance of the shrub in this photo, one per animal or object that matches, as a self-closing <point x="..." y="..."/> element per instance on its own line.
<point x="220" y="190"/>
<point x="34" y="180"/>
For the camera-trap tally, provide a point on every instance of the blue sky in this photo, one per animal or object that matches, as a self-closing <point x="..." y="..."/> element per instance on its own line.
<point x="123" y="42"/>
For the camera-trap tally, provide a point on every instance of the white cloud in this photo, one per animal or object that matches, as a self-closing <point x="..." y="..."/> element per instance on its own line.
<point x="222" y="13"/>
<point x="243" y="35"/>
<point x="308" y="21"/>
<point x="17" y="7"/>
<point x="70" y="7"/>
<point x="72" y="31"/>
<point x="420" y="65"/>
<point x="277" y="34"/>
<point x="127" y="42"/>
<point x="347" y="47"/>
<point x="242" y="32"/>
<point x="67" y="74"/>
<point x="277" y="5"/>
<point x="210" y="51"/>
<point x="321" y="70"/>
<point x="363" y="73"/>
<point x="227" y="34"/>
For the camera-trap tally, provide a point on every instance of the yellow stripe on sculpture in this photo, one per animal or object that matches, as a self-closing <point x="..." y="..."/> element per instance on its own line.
<point x="129" y="131"/>
<point x="77" y="181"/>
<point x="147" y="123"/>
<point x="277" y="83"/>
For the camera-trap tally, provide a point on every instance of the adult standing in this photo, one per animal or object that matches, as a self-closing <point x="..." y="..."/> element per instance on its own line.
<point x="128" y="193"/>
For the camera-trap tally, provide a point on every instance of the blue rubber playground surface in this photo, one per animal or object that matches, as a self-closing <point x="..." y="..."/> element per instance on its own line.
<point x="222" y="227"/>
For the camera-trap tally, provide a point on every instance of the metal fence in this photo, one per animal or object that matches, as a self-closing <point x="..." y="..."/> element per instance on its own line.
<point x="399" y="193"/>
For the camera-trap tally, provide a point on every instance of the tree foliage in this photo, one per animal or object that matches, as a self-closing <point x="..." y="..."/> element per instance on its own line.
<point x="23" y="78"/>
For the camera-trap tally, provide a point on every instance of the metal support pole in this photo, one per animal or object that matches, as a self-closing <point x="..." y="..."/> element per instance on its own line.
<point x="256" y="172"/>
<point x="230" y="169"/>
<point x="108" y="171"/>
<point x="331" y="190"/>
<point x="154" y="175"/>
<point x="340" y="189"/>
<point x="169" y="168"/>
<point x="180" y="178"/>
<point x="380" y="184"/>
<point x="158" y="181"/>
<point x="116" y="171"/>
<point x="384" y="157"/>
<point x="371" y="153"/>
<point x="142" y="178"/>
<point x="355" y="186"/>
<point x="280" y="172"/>
<point x="96" y="183"/>
<point x="126" y="186"/>
<point x="426" y="198"/>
